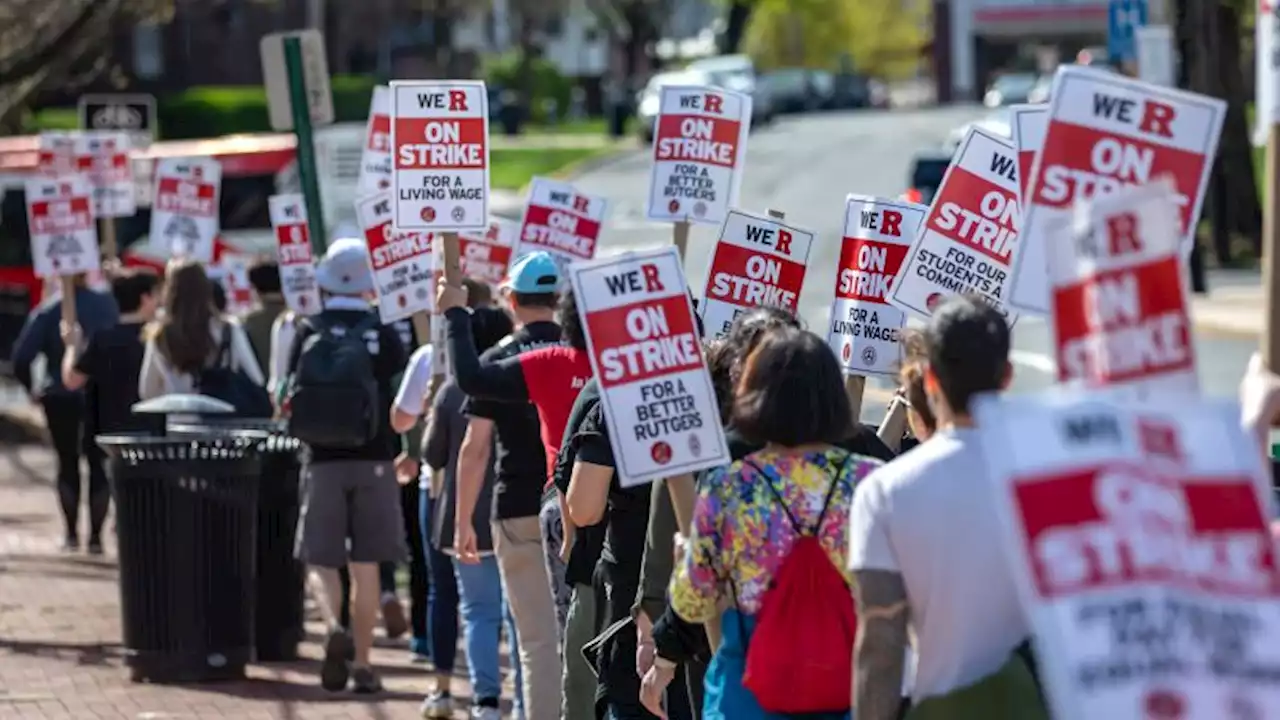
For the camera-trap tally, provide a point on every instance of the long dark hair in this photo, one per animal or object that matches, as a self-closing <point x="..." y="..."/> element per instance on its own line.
<point x="181" y="334"/>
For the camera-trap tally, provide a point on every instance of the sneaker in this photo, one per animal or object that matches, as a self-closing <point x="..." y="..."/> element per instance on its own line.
<point x="95" y="546"/>
<point x="336" y="668"/>
<point x="393" y="618"/>
<point x="485" y="713"/>
<point x="70" y="543"/>
<point x="437" y="705"/>
<point x="364" y="681"/>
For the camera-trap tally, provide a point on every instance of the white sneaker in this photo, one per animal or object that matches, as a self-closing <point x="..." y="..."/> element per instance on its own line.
<point x="485" y="713"/>
<point x="437" y="706"/>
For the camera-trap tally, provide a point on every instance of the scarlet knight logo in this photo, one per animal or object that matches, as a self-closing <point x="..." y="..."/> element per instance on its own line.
<point x="580" y="203"/>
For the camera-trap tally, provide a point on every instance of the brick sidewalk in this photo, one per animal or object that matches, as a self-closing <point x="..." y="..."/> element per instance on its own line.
<point x="60" y="653"/>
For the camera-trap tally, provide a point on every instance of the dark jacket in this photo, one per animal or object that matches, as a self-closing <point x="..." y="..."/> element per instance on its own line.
<point x="42" y="335"/>
<point x="257" y="325"/>
<point x="440" y="447"/>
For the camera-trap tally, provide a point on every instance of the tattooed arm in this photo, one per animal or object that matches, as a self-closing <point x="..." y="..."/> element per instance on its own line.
<point x="880" y="650"/>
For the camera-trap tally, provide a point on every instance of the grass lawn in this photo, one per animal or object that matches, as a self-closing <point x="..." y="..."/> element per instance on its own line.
<point x="512" y="169"/>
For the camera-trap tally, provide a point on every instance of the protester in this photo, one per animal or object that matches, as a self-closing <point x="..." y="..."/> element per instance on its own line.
<point x="921" y="424"/>
<point x="264" y="277"/>
<point x="477" y="587"/>
<point x="191" y="336"/>
<point x="107" y="367"/>
<point x="550" y="378"/>
<point x="925" y="544"/>
<point x="283" y="330"/>
<point x="219" y="297"/>
<point x="349" y="489"/>
<point x="521" y="468"/>
<point x="64" y="410"/>
<point x="748" y="517"/>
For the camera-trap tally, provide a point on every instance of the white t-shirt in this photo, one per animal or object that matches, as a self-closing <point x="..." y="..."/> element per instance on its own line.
<point x="411" y="398"/>
<point x="930" y="516"/>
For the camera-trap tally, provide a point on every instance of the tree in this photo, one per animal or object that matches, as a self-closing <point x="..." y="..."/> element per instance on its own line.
<point x="881" y="37"/>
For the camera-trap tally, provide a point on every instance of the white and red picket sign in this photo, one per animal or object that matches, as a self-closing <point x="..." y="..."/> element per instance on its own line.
<point x="865" y="329"/>
<point x="440" y="151"/>
<point x="103" y="158"/>
<point x="232" y="272"/>
<point x="647" y="356"/>
<point x="758" y="262"/>
<point x="64" y="239"/>
<point x="375" y="159"/>
<point x="1120" y="301"/>
<point x="293" y="251"/>
<point x="699" y="153"/>
<point x="57" y="155"/>
<point x="1137" y="536"/>
<point x="402" y="262"/>
<point x="1027" y="124"/>
<point x="1106" y="131"/>
<point x="486" y="256"/>
<point x="561" y="220"/>
<point x="184" y="211"/>
<point x="965" y="243"/>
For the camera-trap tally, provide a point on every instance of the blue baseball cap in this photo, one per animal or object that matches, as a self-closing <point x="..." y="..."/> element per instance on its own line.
<point x="534" y="273"/>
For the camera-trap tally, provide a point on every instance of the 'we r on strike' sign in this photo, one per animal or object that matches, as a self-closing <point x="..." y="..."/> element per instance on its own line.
<point x="699" y="150"/>
<point x="647" y="356"/>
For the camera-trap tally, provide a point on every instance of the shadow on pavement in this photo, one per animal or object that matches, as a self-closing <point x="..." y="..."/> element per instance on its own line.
<point x="91" y="653"/>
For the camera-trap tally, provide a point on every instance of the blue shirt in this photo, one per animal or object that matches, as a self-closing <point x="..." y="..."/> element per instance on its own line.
<point x="41" y="335"/>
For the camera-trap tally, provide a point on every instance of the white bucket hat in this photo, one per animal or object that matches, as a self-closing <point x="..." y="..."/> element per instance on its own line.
<point x="344" y="269"/>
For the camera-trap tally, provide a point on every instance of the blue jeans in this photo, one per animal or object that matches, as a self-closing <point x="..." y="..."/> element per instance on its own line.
<point x="483" y="612"/>
<point x="442" y="597"/>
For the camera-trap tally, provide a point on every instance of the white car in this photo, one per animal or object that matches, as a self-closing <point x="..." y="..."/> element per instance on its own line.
<point x="998" y="121"/>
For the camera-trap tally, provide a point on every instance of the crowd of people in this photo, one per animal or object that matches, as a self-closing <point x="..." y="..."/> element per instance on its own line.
<point x="498" y="489"/>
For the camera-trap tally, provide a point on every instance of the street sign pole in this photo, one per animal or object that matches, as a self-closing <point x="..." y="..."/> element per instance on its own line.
<point x="306" y="150"/>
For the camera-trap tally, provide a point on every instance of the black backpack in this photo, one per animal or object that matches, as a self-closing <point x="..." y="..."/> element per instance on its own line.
<point x="231" y="385"/>
<point x="333" y="394"/>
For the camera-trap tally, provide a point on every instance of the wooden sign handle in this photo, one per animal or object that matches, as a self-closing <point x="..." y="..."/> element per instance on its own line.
<point x="680" y="238"/>
<point x="110" y="248"/>
<point x="452" y="259"/>
<point x="1271" y="255"/>
<point x="68" y="299"/>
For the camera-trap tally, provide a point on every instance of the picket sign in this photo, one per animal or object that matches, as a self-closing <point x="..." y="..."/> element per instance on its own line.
<point x="1138" y="541"/>
<point x="232" y="272"/>
<point x="64" y="241"/>
<point x="865" y="330"/>
<point x="487" y="256"/>
<point x="375" y="159"/>
<point x="402" y="262"/>
<point x="645" y="353"/>
<point x="699" y="154"/>
<point x="440" y="145"/>
<point x="758" y="261"/>
<point x="1104" y="132"/>
<point x="971" y="230"/>
<point x="562" y="221"/>
<point x="1120" y="297"/>
<point x="56" y="156"/>
<point x="103" y="158"/>
<point x="184" y="212"/>
<point x="293" y="253"/>
<point x="1027" y="124"/>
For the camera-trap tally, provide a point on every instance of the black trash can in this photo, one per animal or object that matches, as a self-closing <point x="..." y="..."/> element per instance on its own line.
<point x="186" y="519"/>
<point x="279" y="598"/>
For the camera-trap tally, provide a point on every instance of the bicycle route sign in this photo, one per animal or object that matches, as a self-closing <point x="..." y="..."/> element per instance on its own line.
<point x="134" y="114"/>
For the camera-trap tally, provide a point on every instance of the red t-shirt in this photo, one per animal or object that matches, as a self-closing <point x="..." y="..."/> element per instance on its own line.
<point x="554" y="376"/>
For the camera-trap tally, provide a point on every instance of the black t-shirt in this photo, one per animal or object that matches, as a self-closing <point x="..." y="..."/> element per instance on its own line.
<point x="519" y="460"/>
<point x="389" y="358"/>
<point x="587" y="541"/>
<point x="112" y="360"/>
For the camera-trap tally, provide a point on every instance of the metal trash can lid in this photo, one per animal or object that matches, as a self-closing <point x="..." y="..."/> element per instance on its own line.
<point x="183" y="404"/>
<point x="140" y="447"/>
<point x="199" y="430"/>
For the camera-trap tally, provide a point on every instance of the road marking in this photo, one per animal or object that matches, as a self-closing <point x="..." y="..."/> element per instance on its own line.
<point x="1035" y="361"/>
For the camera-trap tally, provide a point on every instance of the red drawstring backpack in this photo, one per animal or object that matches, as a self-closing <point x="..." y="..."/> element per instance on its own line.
<point x="799" y="659"/>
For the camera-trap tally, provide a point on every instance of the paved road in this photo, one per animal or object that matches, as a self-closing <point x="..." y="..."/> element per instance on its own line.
<point x="805" y="166"/>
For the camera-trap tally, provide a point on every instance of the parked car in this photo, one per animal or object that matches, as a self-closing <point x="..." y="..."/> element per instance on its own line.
<point x="998" y="121"/>
<point x="1010" y="89"/>
<point x="795" y="90"/>
<point x="1040" y="93"/>
<point x="738" y="72"/>
<point x="648" y="101"/>
<point x="925" y="175"/>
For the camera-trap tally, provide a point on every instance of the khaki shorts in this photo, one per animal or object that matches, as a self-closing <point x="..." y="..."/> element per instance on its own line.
<point x="350" y="514"/>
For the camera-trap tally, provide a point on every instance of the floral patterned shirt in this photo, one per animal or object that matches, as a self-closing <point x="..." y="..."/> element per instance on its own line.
<point x="741" y="533"/>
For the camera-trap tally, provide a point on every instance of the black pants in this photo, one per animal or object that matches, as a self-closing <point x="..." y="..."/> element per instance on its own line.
<point x="418" y="578"/>
<point x="64" y="415"/>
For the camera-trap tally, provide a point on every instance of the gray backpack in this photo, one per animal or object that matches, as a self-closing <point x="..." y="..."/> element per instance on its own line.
<point x="332" y="397"/>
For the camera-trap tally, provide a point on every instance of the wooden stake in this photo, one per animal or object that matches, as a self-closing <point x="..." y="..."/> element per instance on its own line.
<point x="680" y="238"/>
<point x="1271" y="254"/>
<point x="68" y="299"/>
<point x="110" y="249"/>
<point x="894" y="424"/>
<point x="452" y="259"/>
<point x="854" y="387"/>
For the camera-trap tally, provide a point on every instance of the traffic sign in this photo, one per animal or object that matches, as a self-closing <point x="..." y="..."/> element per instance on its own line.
<point x="1123" y="19"/>
<point x="134" y="114"/>
<point x="315" y="70"/>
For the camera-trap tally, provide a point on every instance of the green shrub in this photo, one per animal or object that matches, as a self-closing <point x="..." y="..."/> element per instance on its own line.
<point x="548" y="84"/>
